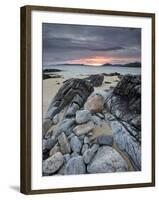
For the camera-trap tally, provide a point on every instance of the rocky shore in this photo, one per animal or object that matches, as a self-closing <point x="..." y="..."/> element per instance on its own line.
<point x="88" y="129"/>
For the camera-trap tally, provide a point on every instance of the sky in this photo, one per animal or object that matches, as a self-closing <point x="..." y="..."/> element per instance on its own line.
<point x="90" y="45"/>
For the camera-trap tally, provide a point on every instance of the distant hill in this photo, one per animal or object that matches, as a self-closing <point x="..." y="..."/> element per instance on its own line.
<point x="133" y="64"/>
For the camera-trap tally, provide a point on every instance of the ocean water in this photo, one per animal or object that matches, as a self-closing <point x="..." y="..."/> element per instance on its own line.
<point x="76" y="70"/>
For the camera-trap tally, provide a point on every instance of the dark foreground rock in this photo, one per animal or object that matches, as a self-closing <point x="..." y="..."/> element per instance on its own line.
<point x="96" y="80"/>
<point x="123" y="112"/>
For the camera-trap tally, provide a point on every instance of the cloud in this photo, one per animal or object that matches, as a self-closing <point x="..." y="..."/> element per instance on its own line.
<point x="64" y="43"/>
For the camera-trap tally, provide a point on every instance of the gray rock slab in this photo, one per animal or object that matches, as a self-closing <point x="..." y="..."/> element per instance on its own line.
<point x="53" y="163"/>
<point x="107" y="160"/>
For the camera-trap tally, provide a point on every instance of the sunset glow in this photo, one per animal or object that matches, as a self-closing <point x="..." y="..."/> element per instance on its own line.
<point x="93" y="60"/>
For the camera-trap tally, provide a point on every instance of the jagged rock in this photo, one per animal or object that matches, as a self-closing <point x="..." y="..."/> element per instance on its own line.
<point x="123" y="106"/>
<point x="96" y="79"/>
<point x="54" y="150"/>
<point x="126" y="141"/>
<point x="105" y="140"/>
<point x="68" y="92"/>
<point x="89" y="153"/>
<point x="83" y="128"/>
<point x="95" y="103"/>
<point x="107" y="160"/>
<point x="83" y="116"/>
<point x="53" y="163"/>
<point x="75" y="165"/>
<point x="64" y="144"/>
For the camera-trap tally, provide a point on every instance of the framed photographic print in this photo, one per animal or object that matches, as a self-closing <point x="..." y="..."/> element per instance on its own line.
<point x="87" y="99"/>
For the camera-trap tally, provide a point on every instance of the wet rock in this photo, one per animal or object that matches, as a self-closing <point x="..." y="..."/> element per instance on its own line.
<point x="64" y="144"/>
<point x="76" y="144"/>
<point x="83" y="116"/>
<point x="83" y="128"/>
<point x="95" y="103"/>
<point x="89" y="153"/>
<point x="53" y="163"/>
<point x="107" y="160"/>
<point x="105" y="140"/>
<point x="75" y="166"/>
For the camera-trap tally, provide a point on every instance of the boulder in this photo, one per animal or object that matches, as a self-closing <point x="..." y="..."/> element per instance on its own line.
<point x="83" y="116"/>
<point x="89" y="153"/>
<point x="95" y="103"/>
<point x="53" y="163"/>
<point x="107" y="160"/>
<point x="64" y="144"/>
<point x="76" y="144"/>
<point x="83" y="128"/>
<point x="75" y="165"/>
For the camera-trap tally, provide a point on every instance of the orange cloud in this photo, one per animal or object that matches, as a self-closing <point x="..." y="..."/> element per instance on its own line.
<point x="93" y="60"/>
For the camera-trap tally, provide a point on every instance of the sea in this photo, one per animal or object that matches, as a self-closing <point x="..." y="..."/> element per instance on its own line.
<point x="84" y="70"/>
